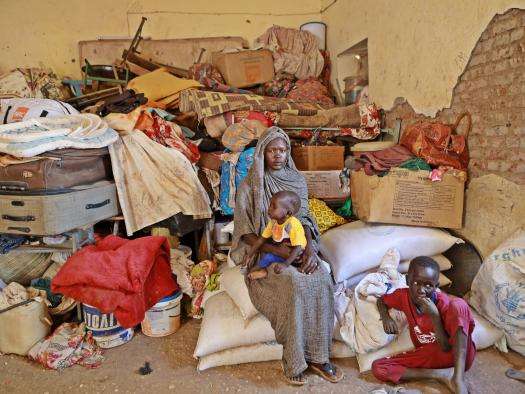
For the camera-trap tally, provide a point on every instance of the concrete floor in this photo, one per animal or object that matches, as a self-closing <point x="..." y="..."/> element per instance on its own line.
<point x="174" y="370"/>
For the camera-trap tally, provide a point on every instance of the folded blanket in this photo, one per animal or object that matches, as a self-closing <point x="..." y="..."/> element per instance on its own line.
<point x="120" y="276"/>
<point x="207" y="104"/>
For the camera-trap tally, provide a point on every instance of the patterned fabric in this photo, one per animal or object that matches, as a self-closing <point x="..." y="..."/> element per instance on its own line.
<point x="295" y="52"/>
<point x="214" y="103"/>
<point x="238" y="135"/>
<point x="31" y="83"/>
<point x="311" y="90"/>
<point x="277" y="87"/>
<point x="167" y="133"/>
<point x="70" y="344"/>
<point x="211" y="78"/>
<point x="304" y="321"/>
<point x="324" y="216"/>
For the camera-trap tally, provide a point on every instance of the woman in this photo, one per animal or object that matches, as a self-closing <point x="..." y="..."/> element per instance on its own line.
<point x="299" y="301"/>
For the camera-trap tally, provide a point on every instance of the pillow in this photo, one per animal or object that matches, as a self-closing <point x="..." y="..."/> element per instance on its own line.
<point x="356" y="247"/>
<point x="324" y="216"/>
<point x="232" y="281"/>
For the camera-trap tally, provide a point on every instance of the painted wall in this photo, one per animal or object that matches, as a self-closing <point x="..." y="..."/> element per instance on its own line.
<point x="417" y="49"/>
<point x="46" y="33"/>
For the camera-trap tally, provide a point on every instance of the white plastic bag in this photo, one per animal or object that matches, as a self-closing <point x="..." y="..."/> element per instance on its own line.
<point x="498" y="290"/>
<point x="356" y="247"/>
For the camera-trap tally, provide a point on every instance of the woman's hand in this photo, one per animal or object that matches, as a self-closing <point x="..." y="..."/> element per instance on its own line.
<point x="309" y="259"/>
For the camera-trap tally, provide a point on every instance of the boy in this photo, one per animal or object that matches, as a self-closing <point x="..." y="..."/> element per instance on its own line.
<point x="283" y="227"/>
<point x="440" y="327"/>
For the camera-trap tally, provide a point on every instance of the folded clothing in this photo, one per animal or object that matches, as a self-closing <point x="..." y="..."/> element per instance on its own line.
<point x="120" y="276"/>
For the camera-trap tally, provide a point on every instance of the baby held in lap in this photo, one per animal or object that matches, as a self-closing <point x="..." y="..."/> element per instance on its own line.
<point x="440" y="327"/>
<point x="282" y="227"/>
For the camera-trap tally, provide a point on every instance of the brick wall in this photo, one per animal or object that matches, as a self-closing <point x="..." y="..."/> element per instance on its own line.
<point x="492" y="89"/>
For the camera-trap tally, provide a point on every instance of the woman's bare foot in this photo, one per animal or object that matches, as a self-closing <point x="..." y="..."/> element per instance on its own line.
<point x="258" y="274"/>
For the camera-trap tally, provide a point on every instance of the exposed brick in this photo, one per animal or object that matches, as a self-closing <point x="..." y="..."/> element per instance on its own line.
<point x="492" y="89"/>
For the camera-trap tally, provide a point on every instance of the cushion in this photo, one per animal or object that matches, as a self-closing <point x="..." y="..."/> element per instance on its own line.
<point x="324" y="216"/>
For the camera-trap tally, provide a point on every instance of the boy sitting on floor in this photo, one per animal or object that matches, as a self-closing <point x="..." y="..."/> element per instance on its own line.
<point x="440" y="327"/>
<point x="282" y="227"/>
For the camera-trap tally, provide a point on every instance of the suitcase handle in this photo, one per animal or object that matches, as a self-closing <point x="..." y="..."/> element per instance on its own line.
<point x="98" y="205"/>
<point x="28" y="218"/>
<point x="21" y="229"/>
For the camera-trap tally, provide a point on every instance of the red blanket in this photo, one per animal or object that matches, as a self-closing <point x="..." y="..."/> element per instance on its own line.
<point x="120" y="276"/>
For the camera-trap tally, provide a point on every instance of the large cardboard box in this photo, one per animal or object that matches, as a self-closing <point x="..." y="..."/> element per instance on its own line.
<point x="325" y="185"/>
<point x="408" y="197"/>
<point x="318" y="158"/>
<point x="245" y="68"/>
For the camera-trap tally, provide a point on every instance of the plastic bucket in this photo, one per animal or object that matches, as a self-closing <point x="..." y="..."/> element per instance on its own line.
<point x="164" y="317"/>
<point x="105" y="328"/>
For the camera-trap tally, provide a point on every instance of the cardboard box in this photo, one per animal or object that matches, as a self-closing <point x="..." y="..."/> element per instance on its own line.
<point x="325" y="185"/>
<point x="210" y="160"/>
<point x="318" y="158"/>
<point x="245" y="68"/>
<point x="408" y="197"/>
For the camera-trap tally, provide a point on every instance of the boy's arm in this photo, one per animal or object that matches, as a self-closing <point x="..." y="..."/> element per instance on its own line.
<point x="430" y="309"/>
<point x="389" y="325"/>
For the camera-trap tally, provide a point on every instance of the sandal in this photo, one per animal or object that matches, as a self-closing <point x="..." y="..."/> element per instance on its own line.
<point x="515" y="374"/>
<point x="328" y="371"/>
<point x="298" y="380"/>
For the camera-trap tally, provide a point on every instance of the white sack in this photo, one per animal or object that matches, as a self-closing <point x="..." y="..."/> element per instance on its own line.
<point x="485" y="333"/>
<point x="224" y="328"/>
<point x="356" y="247"/>
<point x="241" y="355"/>
<point x="232" y="281"/>
<point x="498" y="290"/>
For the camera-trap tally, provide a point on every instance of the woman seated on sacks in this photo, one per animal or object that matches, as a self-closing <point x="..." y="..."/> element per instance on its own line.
<point x="299" y="301"/>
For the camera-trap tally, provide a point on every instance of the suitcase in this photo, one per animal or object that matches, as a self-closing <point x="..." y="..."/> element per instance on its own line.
<point x="61" y="169"/>
<point x="52" y="214"/>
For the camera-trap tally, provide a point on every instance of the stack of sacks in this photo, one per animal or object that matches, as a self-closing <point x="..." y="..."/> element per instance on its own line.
<point x="357" y="247"/>
<point x="355" y="250"/>
<point x="161" y="88"/>
<point x="234" y="332"/>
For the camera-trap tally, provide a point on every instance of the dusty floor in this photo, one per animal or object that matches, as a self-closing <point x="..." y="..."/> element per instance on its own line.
<point x="174" y="370"/>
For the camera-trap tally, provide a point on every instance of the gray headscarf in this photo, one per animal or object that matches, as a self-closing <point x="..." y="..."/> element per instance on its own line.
<point x="253" y="195"/>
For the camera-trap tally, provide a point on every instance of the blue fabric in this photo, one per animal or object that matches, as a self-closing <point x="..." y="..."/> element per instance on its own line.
<point x="269" y="258"/>
<point x="241" y="170"/>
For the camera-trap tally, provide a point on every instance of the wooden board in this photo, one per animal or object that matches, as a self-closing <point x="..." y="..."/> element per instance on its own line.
<point x="181" y="53"/>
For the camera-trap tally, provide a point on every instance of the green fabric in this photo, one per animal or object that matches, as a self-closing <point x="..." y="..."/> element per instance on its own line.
<point x="416" y="163"/>
<point x="346" y="210"/>
<point x="213" y="284"/>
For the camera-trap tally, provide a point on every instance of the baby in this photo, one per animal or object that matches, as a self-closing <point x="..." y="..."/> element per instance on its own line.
<point x="283" y="226"/>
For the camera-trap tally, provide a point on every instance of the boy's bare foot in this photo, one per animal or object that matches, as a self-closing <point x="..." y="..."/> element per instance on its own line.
<point x="258" y="274"/>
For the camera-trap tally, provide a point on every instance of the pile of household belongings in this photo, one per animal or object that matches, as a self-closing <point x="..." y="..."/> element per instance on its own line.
<point x="367" y="261"/>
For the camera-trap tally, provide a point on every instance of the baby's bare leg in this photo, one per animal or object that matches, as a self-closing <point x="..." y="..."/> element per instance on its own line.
<point x="258" y="274"/>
